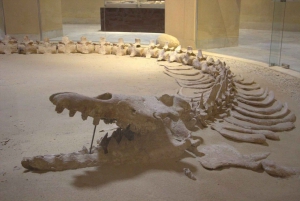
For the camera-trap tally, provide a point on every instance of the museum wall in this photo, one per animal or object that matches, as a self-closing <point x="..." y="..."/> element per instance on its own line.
<point x="22" y="18"/>
<point x="180" y="21"/>
<point x="258" y="14"/>
<point x="51" y="18"/>
<point x="292" y="17"/>
<point x="2" y="26"/>
<point x="218" y="23"/>
<point x="81" y="11"/>
<point x="18" y="20"/>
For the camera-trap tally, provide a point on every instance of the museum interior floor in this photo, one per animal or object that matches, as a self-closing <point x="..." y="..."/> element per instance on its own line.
<point x="29" y="126"/>
<point x="253" y="44"/>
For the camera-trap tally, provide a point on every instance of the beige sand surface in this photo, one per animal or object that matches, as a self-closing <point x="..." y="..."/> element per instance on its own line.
<point x="29" y="122"/>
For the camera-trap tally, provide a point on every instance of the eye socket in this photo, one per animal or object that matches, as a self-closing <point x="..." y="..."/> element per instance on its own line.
<point x="133" y="111"/>
<point x="167" y="100"/>
<point x="105" y="96"/>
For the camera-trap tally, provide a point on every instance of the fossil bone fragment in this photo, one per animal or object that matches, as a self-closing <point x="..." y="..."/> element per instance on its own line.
<point x="62" y="161"/>
<point x="8" y="45"/>
<point x="276" y="128"/>
<point x="136" y="44"/>
<point x="231" y="132"/>
<point x="267" y="122"/>
<point x="45" y="47"/>
<point x="164" y="53"/>
<point x="189" y="174"/>
<point x="84" y="46"/>
<point x="224" y="155"/>
<point x="119" y="49"/>
<point x="152" y="50"/>
<point x="27" y="46"/>
<point x="276" y="170"/>
<point x="197" y="61"/>
<point x="243" y="137"/>
<point x="105" y="46"/>
<point x="176" y="55"/>
<point x="189" y="56"/>
<point x="136" y="49"/>
<point x="66" y="46"/>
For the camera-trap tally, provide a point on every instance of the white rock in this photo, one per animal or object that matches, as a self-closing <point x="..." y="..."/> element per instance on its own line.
<point x="163" y="38"/>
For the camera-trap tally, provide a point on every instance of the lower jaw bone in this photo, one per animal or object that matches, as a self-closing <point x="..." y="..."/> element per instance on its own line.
<point x="128" y="149"/>
<point x="74" y="160"/>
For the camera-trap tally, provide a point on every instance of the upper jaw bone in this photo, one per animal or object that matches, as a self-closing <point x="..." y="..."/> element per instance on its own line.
<point x="75" y="102"/>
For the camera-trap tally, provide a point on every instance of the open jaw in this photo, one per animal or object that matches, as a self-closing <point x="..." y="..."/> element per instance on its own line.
<point x="149" y="129"/>
<point x="153" y="128"/>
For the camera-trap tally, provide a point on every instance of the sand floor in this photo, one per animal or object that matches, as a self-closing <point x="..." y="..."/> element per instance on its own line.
<point x="29" y="122"/>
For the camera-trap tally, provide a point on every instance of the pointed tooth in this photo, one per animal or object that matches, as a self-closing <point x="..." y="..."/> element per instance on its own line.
<point x="128" y="133"/>
<point x="104" y="143"/>
<point x="96" y="121"/>
<point x="59" y="109"/>
<point x="72" y="113"/>
<point x="117" y="134"/>
<point x="84" y="116"/>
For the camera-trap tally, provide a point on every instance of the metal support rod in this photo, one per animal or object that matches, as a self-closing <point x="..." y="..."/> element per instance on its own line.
<point x="3" y="13"/>
<point x="93" y="139"/>
<point x="40" y="19"/>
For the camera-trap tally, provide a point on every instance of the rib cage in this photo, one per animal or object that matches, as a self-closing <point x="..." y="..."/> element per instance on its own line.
<point x="251" y="112"/>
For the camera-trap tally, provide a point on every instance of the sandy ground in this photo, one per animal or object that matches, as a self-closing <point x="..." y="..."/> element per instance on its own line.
<point x="29" y="122"/>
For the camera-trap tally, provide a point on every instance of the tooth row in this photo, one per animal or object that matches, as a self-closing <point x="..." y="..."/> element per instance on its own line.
<point x="117" y="135"/>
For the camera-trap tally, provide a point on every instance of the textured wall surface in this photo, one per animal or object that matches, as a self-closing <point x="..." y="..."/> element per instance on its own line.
<point x="180" y="21"/>
<point x="203" y="24"/>
<point x="133" y="20"/>
<point x="292" y="16"/>
<point x="218" y="23"/>
<point x="51" y="16"/>
<point x="21" y="17"/>
<point x="258" y="14"/>
<point x="2" y="27"/>
<point x="81" y="11"/>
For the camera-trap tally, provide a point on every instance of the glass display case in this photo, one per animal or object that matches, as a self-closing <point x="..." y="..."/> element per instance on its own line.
<point x="134" y="4"/>
<point x="133" y="16"/>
